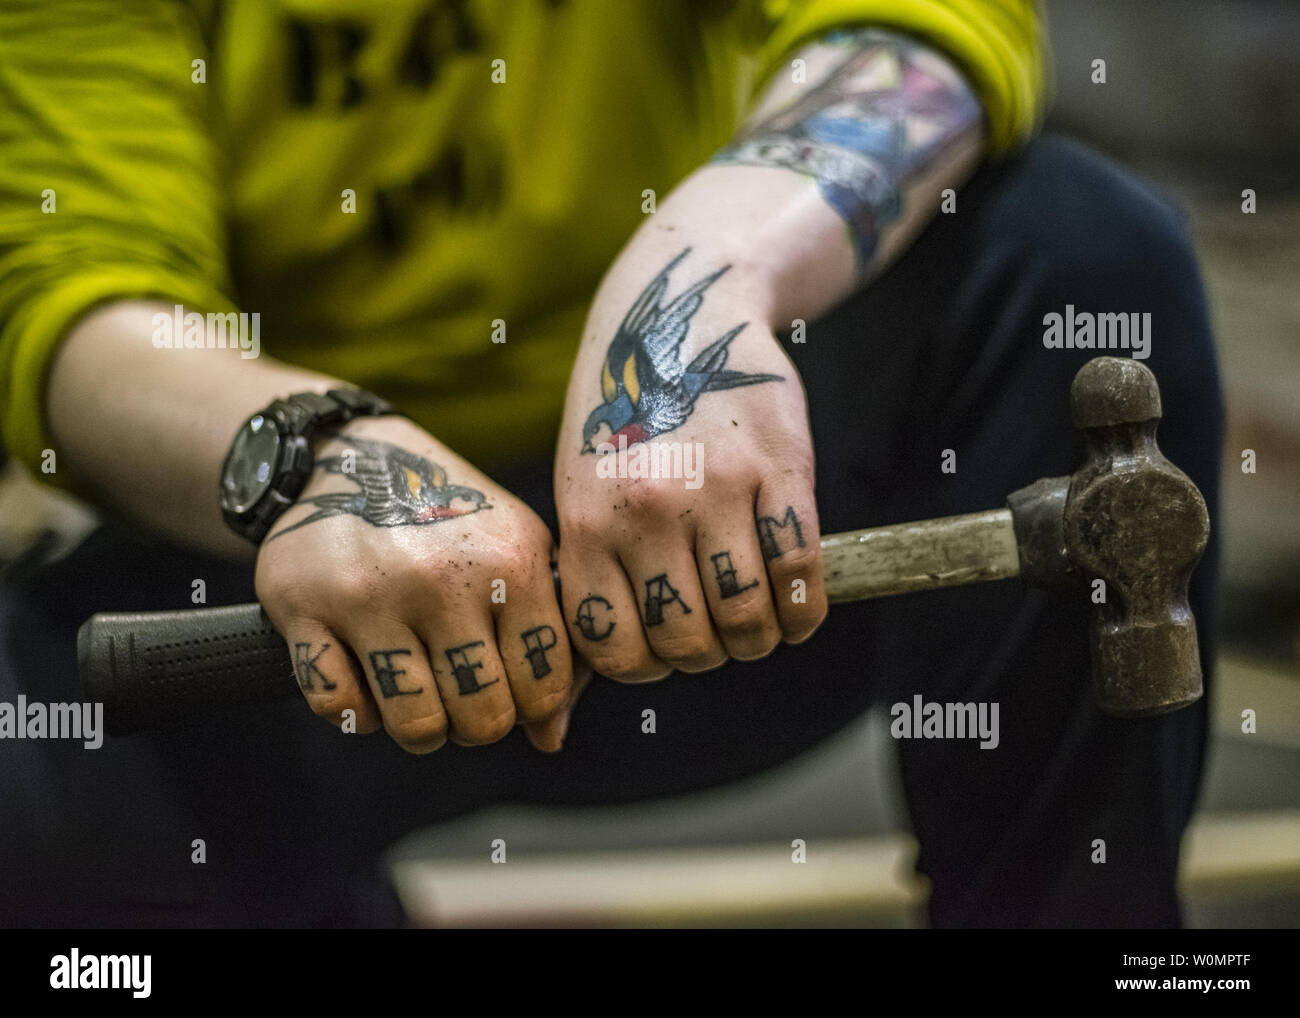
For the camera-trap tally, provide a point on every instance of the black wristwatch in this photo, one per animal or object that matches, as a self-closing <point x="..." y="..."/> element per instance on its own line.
<point x="272" y="456"/>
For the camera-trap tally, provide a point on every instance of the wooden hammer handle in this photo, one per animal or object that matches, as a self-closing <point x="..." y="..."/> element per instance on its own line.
<point x="946" y="552"/>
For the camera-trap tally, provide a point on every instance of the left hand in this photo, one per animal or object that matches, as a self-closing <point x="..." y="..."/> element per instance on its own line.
<point x="720" y="558"/>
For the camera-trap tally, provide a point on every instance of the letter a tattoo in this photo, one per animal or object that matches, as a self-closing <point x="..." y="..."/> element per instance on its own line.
<point x="655" y="601"/>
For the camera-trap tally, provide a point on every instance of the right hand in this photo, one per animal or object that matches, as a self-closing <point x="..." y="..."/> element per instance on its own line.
<point x="417" y="593"/>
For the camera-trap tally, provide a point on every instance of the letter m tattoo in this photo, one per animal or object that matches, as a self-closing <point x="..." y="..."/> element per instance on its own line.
<point x="776" y="537"/>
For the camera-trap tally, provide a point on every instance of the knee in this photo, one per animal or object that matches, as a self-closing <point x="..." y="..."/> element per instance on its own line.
<point x="1089" y="231"/>
<point x="1083" y="231"/>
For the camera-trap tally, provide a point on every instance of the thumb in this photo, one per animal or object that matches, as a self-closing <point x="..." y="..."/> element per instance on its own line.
<point x="548" y="735"/>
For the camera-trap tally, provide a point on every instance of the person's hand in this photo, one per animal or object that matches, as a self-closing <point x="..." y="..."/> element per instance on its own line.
<point x="417" y="594"/>
<point x="684" y="479"/>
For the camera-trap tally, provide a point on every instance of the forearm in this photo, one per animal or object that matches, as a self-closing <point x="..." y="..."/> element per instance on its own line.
<point x="828" y="181"/>
<point x="144" y="430"/>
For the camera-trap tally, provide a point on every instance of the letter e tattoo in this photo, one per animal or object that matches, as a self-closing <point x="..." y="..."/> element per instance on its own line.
<point x="386" y="675"/>
<point x="463" y="668"/>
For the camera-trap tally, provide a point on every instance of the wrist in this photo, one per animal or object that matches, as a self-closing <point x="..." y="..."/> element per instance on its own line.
<point x="737" y="287"/>
<point x="787" y="249"/>
<point x="272" y="455"/>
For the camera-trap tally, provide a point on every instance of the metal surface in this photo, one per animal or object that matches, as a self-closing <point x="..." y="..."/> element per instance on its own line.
<point x="1137" y="522"/>
<point x="1038" y="514"/>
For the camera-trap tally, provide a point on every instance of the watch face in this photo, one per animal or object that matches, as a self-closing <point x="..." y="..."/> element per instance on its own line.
<point x="251" y="464"/>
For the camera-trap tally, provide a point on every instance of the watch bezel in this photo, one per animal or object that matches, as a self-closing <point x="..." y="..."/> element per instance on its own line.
<point x="237" y="458"/>
<point x="289" y="473"/>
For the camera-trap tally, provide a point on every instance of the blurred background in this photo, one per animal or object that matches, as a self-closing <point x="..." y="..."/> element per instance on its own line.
<point x="1203" y="98"/>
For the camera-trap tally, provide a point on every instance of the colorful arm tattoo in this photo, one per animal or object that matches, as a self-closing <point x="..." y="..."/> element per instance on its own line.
<point x="883" y="112"/>
<point x="647" y="385"/>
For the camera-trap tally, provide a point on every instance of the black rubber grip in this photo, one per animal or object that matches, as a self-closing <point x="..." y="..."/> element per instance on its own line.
<point x="151" y="668"/>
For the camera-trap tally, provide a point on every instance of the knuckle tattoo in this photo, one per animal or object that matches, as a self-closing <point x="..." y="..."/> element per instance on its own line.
<point x="538" y="641"/>
<point x="595" y="618"/>
<point x="781" y="536"/>
<point x="660" y="594"/>
<point x="730" y="582"/>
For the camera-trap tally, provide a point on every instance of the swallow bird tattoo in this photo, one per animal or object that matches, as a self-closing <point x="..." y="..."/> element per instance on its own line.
<point x="647" y="389"/>
<point x="398" y="489"/>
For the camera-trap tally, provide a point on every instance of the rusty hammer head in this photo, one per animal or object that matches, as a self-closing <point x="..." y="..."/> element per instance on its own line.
<point x="1132" y="519"/>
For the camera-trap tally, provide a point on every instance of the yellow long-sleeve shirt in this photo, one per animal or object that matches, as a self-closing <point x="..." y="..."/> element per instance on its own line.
<point x="495" y="153"/>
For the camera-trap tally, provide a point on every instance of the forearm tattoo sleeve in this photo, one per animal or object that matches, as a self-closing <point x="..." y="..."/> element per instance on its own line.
<point x="881" y="108"/>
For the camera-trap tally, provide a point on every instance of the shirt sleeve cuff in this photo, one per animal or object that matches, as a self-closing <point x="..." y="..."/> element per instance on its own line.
<point x="1001" y="56"/>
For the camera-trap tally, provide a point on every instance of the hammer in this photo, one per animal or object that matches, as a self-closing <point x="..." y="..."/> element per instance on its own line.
<point x="1127" y="517"/>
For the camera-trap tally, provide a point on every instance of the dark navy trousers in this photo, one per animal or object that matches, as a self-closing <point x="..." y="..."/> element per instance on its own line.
<point x="943" y="352"/>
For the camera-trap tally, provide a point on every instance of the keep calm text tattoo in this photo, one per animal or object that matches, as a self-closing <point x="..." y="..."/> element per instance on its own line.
<point x="776" y="537"/>
<point x="594" y="618"/>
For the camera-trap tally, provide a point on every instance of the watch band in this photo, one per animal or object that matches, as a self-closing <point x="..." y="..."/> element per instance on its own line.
<point x="305" y="413"/>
